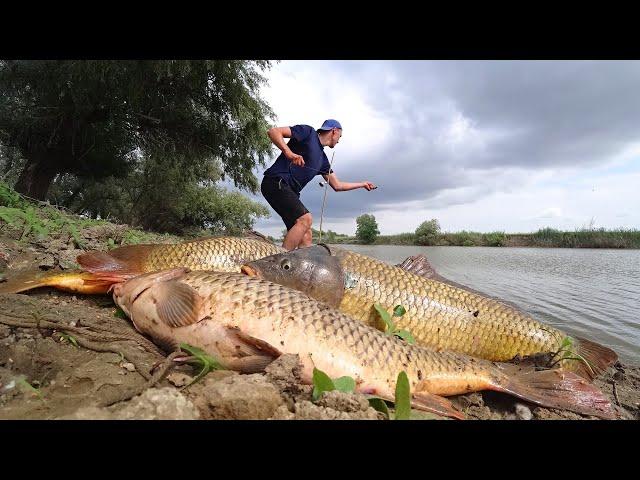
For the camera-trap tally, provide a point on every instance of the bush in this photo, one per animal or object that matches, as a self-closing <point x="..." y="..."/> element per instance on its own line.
<point x="367" y="230"/>
<point x="427" y="233"/>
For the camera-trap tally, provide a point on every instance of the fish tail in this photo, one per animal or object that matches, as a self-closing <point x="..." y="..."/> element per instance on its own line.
<point x="592" y="359"/>
<point x="126" y="262"/>
<point x="72" y="281"/>
<point x="555" y="388"/>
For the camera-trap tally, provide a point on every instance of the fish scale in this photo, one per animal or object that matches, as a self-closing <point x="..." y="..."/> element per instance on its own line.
<point x="225" y="253"/>
<point x="295" y="311"/>
<point x="441" y="315"/>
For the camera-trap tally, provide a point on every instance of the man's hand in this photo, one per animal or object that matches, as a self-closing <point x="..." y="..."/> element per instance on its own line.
<point x="369" y="186"/>
<point x="295" y="158"/>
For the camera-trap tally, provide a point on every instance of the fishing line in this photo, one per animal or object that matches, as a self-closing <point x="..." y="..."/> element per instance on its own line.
<point x="324" y="198"/>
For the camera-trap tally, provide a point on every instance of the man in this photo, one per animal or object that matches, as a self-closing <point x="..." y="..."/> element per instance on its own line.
<point x="300" y="161"/>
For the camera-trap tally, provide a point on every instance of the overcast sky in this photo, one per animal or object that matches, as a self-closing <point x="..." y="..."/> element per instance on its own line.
<point x="479" y="145"/>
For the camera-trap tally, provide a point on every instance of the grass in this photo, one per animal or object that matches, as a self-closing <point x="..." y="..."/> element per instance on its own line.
<point x="29" y="220"/>
<point x="202" y="360"/>
<point x="402" y="403"/>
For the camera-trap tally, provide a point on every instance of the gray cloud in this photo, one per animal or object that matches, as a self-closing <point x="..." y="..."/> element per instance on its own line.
<point x="524" y="115"/>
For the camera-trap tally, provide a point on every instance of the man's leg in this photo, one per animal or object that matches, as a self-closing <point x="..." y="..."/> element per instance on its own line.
<point x="295" y="235"/>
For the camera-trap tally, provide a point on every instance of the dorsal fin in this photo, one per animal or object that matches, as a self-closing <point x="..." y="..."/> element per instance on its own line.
<point x="419" y="265"/>
<point x="127" y="260"/>
<point x="256" y="235"/>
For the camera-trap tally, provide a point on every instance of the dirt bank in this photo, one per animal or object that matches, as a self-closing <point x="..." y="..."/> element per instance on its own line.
<point x="71" y="357"/>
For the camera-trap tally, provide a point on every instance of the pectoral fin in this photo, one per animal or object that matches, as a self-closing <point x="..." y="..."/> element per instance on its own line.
<point x="177" y="303"/>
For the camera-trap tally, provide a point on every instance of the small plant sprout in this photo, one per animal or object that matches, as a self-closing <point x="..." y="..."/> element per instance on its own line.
<point x="565" y="352"/>
<point x="402" y="404"/>
<point x="390" y="326"/>
<point x="403" y="397"/>
<point x="31" y="388"/>
<point x="323" y="383"/>
<point x="201" y="359"/>
<point x="69" y="338"/>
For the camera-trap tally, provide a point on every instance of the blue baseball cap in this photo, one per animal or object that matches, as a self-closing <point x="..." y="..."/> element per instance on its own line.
<point x="329" y="124"/>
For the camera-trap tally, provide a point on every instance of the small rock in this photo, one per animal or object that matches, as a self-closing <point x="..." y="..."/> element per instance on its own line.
<point x="523" y="412"/>
<point x="129" y="366"/>
<point x="47" y="262"/>
<point x="343" y="402"/>
<point x="306" y="410"/>
<point x="239" y="397"/>
<point x="179" y="379"/>
<point x="154" y="404"/>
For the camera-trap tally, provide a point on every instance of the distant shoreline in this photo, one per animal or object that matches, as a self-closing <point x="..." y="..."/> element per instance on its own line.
<point x="544" y="238"/>
<point x="472" y="246"/>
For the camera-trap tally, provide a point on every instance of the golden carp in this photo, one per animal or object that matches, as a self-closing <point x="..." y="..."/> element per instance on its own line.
<point x="246" y="323"/>
<point x="103" y="269"/>
<point x="438" y="314"/>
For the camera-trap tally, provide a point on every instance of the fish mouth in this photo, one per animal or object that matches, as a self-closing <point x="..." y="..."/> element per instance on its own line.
<point x="249" y="271"/>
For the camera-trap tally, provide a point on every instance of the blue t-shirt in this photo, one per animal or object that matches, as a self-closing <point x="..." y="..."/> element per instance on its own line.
<point x="304" y="141"/>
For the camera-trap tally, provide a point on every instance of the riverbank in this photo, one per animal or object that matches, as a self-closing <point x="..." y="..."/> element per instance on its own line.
<point x="67" y="356"/>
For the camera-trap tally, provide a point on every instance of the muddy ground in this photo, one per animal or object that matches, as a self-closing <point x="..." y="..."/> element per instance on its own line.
<point x="64" y="356"/>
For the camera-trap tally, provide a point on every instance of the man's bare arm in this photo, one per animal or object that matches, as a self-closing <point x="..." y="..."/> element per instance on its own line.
<point x="277" y="136"/>
<point x="340" y="186"/>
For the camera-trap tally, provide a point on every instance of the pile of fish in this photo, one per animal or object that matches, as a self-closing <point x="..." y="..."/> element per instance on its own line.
<point x="246" y="301"/>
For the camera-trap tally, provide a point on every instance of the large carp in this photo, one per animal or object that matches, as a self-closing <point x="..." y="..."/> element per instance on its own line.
<point x="100" y="270"/>
<point x="439" y="314"/>
<point x="246" y="323"/>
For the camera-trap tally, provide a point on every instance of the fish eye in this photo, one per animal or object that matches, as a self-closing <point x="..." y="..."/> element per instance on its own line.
<point x="286" y="264"/>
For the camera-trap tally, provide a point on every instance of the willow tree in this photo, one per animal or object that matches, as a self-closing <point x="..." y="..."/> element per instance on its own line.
<point x="97" y="119"/>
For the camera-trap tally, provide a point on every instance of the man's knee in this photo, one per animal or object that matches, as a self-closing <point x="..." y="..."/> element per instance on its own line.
<point x="305" y="220"/>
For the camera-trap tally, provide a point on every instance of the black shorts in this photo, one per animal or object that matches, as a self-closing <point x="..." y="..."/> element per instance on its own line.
<point x="283" y="200"/>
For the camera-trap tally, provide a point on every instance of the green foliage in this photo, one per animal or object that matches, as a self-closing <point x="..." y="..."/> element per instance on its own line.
<point x="367" y="229"/>
<point x="328" y="236"/>
<point x="10" y="198"/>
<point x="165" y="195"/>
<point x="38" y="220"/>
<point x="27" y="386"/>
<point x="586" y="237"/>
<point x="566" y="352"/>
<point x="69" y="338"/>
<point x="93" y="118"/>
<point x="390" y="326"/>
<point x="399" y="239"/>
<point x="403" y="397"/>
<point x="380" y="405"/>
<point x="427" y="233"/>
<point x="496" y="239"/>
<point x="402" y="404"/>
<point x="323" y="383"/>
<point x="202" y="360"/>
